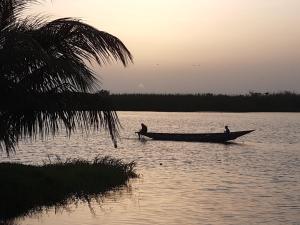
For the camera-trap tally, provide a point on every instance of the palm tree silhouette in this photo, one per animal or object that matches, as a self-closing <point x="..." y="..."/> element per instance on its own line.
<point x="45" y="80"/>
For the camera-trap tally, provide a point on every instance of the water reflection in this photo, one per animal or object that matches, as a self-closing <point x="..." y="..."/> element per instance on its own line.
<point x="93" y="203"/>
<point x="255" y="180"/>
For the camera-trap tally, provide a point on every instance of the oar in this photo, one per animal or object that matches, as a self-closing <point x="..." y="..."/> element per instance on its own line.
<point x="138" y="133"/>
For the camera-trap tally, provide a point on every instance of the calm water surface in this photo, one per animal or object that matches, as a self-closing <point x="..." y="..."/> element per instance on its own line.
<point x="255" y="181"/>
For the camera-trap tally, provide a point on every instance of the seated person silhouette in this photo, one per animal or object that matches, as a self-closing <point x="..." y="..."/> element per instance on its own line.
<point x="227" y="131"/>
<point x="143" y="130"/>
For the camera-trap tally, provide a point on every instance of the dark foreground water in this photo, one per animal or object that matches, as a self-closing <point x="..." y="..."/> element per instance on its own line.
<point x="255" y="181"/>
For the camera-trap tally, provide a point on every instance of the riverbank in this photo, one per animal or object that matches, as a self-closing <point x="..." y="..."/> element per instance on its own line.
<point x="27" y="189"/>
<point x="252" y="102"/>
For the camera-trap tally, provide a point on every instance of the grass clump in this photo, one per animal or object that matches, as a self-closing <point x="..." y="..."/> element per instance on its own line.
<point x="25" y="188"/>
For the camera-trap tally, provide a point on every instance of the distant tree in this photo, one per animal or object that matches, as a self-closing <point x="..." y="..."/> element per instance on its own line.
<point x="39" y="61"/>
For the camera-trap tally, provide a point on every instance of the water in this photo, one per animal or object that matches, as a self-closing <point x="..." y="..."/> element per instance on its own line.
<point x="256" y="181"/>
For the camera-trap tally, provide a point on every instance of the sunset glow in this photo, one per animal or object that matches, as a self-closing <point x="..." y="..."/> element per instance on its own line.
<point x="219" y="46"/>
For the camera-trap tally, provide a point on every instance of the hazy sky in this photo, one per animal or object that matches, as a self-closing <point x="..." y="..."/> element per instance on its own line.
<point x="188" y="46"/>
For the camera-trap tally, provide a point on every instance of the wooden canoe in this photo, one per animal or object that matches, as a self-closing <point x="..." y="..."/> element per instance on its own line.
<point x="200" y="137"/>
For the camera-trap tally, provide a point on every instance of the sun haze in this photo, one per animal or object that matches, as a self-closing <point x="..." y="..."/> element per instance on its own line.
<point x="218" y="46"/>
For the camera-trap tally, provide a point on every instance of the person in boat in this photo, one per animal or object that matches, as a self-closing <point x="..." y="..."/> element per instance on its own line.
<point x="227" y="131"/>
<point x="143" y="130"/>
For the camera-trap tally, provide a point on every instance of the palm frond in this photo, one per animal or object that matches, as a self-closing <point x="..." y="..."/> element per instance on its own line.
<point x="45" y="79"/>
<point x="46" y="114"/>
<point x="10" y="10"/>
<point x="84" y="40"/>
<point x="56" y="51"/>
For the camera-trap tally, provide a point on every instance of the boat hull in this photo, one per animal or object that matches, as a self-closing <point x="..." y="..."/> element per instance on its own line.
<point x="202" y="137"/>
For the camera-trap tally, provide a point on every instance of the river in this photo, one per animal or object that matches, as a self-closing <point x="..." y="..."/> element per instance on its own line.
<point x="256" y="180"/>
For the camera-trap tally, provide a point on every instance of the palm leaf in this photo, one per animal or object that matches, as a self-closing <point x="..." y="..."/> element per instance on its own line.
<point x="10" y="10"/>
<point x="44" y="78"/>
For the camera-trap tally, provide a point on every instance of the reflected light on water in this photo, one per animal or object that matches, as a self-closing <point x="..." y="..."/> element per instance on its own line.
<point x="255" y="181"/>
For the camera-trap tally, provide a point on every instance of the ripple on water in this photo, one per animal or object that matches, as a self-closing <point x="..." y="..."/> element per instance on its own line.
<point x="256" y="181"/>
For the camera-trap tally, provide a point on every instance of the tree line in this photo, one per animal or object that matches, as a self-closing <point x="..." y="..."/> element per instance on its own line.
<point x="252" y="102"/>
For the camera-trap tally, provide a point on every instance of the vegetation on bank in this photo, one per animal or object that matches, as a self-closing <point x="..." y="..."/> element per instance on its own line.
<point x="27" y="189"/>
<point x="252" y="102"/>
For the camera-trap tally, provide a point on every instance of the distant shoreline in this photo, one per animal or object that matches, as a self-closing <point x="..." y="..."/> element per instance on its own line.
<point x="252" y="102"/>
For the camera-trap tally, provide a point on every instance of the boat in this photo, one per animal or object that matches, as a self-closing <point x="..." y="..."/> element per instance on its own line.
<point x="196" y="137"/>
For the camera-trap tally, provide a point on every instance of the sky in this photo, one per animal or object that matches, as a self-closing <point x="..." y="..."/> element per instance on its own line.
<point x="195" y="46"/>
